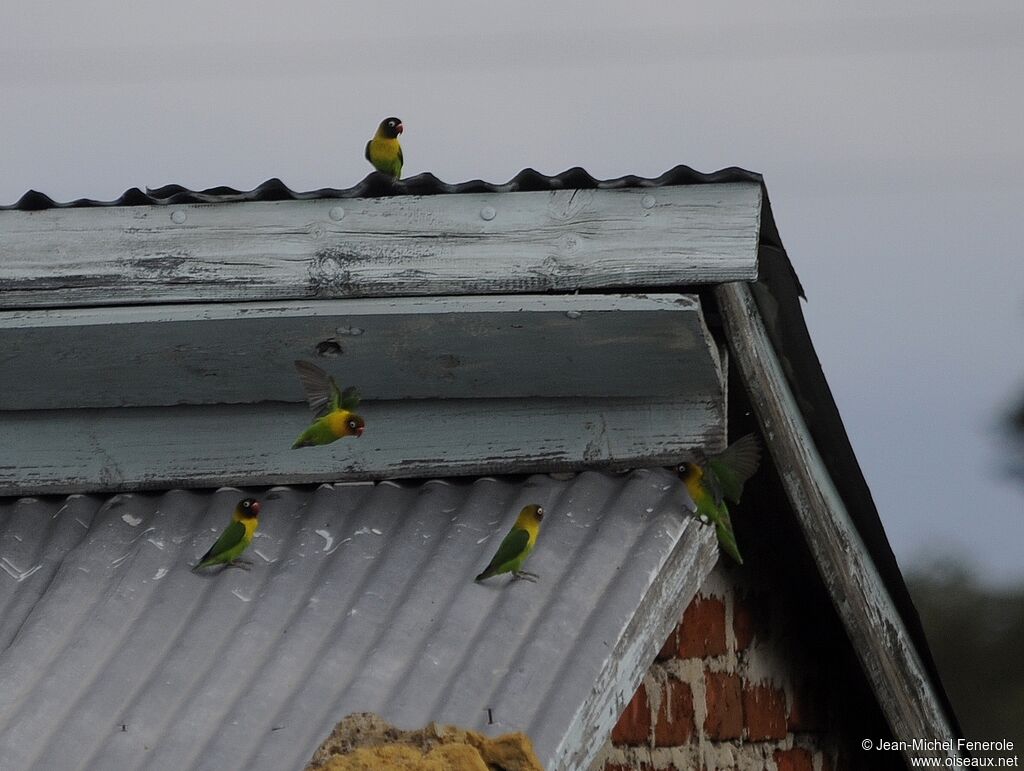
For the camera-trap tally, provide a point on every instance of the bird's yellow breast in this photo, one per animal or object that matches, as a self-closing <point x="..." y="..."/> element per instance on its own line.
<point x="692" y="479"/>
<point x="383" y="149"/>
<point x="530" y="524"/>
<point x="250" y="523"/>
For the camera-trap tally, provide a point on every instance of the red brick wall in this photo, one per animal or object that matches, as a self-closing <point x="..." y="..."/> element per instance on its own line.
<point x="744" y="682"/>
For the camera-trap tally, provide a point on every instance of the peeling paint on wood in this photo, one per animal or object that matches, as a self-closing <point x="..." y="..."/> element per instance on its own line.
<point x="394" y="246"/>
<point x="141" y="448"/>
<point x="400" y="348"/>
<point x="879" y="637"/>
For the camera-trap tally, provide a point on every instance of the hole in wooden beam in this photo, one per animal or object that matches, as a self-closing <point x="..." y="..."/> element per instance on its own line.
<point x="328" y="348"/>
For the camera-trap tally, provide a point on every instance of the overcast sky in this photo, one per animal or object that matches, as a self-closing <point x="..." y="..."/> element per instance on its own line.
<point x="891" y="139"/>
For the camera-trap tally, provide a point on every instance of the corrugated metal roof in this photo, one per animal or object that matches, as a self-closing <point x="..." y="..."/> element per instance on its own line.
<point x="377" y="185"/>
<point x="114" y="655"/>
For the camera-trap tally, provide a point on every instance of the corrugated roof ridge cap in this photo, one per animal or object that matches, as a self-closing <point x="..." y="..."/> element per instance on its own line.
<point x="376" y="185"/>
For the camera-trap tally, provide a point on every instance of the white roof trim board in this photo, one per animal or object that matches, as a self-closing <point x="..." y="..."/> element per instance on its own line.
<point x="114" y="655"/>
<point x="470" y="243"/>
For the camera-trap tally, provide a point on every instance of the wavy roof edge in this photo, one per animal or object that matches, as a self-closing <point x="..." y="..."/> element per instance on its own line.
<point x="377" y="185"/>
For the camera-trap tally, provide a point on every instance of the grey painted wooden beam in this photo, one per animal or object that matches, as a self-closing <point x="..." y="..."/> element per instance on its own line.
<point x="876" y="630"/>
<point x="404" y="245"/>
<point x="123" y="449"/>
<point x="396" y="348"/>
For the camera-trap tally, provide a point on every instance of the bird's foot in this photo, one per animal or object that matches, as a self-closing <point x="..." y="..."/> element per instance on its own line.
<point x="523" y="575"/>
<point x="240" y="563"/>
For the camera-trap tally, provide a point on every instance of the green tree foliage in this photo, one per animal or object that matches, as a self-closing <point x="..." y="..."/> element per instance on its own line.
<point x="1016" y="434"/>
<point x="976" y="634"/>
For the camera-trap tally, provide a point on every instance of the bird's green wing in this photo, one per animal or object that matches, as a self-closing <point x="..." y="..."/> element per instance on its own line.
<point x="735" y="465"/>
<point x="321" y="391"/>
<point x="368" y="150"/>
<point x="349" y="399"/>
<point x="231" y="537"/>
<point x="726" y="536"/>
<point x="512" y="547"/>
<point x="712" y="484"/>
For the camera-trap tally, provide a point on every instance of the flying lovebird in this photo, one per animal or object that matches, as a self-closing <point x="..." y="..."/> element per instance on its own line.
<point x="384" y="151"/>
<point x="333" y="409"/>
<point x="236" y="537"/>
<point x="718" y="478"/>
<point x="516" y="546"/>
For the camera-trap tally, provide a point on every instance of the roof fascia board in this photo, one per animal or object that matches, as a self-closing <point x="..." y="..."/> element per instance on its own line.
<point x="886" y="652"/>
<point x="156" y="448"/>
<point x="472" y="243"/>
<point x="521" y="346"/>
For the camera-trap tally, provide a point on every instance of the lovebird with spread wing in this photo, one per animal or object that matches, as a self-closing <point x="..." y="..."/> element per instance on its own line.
<point x="714" y="480"/>
<point x="333" y="409"/>
<point x="384" y="151"/>
<point x="236" y="537"/>
<point x="516" y="546"/>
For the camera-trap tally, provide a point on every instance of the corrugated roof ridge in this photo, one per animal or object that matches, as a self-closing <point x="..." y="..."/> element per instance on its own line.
<point x="332" y="632"/>
<point x="229" y="645"/>
<point x="606" y="591"/>
<point x="444" y="680"/>
<point x="13" y="624"/>
<point x="377" y="185"/>
<point x="141" y="686"/>
<point x="416" y="581"/>
<point x="537" y="614"/>
<point x="144" y="509"/>
<point x="298" y="619"/>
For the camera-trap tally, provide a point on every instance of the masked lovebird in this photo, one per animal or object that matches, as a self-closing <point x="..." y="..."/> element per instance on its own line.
<point x="333" y="409"/>
<point x="516" y="546"/>
<point x="384" y="151"/>
<point x="718" y="478"/>
<point x="236" y="537"/>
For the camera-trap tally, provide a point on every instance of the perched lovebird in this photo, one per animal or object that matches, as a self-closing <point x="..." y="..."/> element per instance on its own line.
<point x="718" y="478"/>
<point x="332" y="408"/>
<point x="516" y="546"/>
<point x="383" y="151"/>
<point x="236" y="537"/>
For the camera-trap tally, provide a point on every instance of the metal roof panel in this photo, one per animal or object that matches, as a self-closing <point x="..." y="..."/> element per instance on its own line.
<point x="361" y="599"/>
<point x="376" y="185"/>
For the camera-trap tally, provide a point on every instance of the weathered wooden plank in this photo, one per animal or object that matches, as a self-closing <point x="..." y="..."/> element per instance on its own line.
<point x="135" y="448"/>
<point x="876" y="630"/>
<point x="399" y="348"/>
<point x="404" y="245"/>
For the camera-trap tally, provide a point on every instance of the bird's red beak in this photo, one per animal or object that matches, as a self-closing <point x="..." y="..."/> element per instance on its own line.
<point x="359" y="431"/>
<point x="399" y="128"/>
<point x="255" y="507"/>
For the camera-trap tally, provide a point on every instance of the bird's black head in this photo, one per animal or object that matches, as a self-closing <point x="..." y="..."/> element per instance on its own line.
<point x="390" y="127"/>
<point x="355" y="425"/>
<point x="248" y="507"/>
